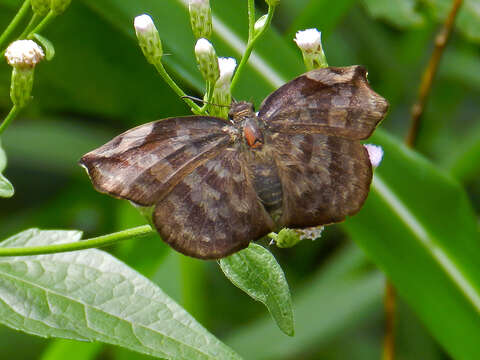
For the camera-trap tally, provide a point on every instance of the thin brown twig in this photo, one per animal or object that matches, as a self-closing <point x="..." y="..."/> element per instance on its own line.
<point x="390" y="306"/>
<point x="427" y="79"/>
<point x="417" y="110"/>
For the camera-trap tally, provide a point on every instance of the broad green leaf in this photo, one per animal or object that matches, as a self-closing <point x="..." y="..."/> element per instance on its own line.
<point x="90" y="295"/>
<point x="418" y="226"/>
<point x="401" y="13"/>
<point x="336" y="299"/>
<point x="6" y="188"/>
<point x="255" y="271"/>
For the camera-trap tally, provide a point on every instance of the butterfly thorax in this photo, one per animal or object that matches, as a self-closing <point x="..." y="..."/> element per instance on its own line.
<point x="260" y="158"/>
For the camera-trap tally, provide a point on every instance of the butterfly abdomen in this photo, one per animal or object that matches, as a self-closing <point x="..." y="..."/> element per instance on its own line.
<point x="268" y="186"/>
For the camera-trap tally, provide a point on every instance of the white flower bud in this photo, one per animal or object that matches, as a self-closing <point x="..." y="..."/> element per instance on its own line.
<point x="24" y="53"/>
<point x="200" y="18"/>
<point x="260" y="23"/>
<point x="148" y="38"/>
<point x="310" y="43"/>
<point x="221" y="92"/>
<point x="375" y="153"/>
<point x="207" y="60"/>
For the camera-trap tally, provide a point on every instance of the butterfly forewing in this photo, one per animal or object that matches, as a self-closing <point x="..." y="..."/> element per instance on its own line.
<point x="145" y="163"/>
<point x="331" y="101"/>
<point x="214" y="211"/>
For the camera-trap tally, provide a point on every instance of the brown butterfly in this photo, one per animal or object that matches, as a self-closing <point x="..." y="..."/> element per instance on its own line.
<point x="215" y="185"/>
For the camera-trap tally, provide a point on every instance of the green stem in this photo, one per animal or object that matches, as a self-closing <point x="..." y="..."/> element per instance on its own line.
<point x="18" y="17"/>
<point x="46" y="20"/>
<point x="251" y="18"/>
<point x="33" y="21"/>
<point x="11" y="115"/>
<point x="250" y="44"/>
<point x="100" y="241"/>
<point x="163" y="73"/>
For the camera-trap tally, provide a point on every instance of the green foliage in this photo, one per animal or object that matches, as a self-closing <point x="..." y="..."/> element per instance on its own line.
<point x="90" y="295"/>
<point x="418" y="225"/>
<point x="255" y="271"/>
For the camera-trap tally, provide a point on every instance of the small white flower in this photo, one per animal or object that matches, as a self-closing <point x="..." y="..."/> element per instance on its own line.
<point x="375" y="153"/>
<point x="309" y="40"/>
<point x="143" y="24"/>
<point x="24" y="53"/>
<point x="200" y="18"/>
<point x="227" y="67"/>
<point x="203" y="46"/>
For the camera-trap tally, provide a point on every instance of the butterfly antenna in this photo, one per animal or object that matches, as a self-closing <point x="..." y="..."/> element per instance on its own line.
<point x="202" y="101"/>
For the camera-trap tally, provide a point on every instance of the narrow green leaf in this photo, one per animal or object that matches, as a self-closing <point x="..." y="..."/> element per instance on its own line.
<point x="90" y="295"/>
<point x="6" y="188"/>
<point x="47" y="46"/>
<point x="401" y="13"/>
<point x="255" y="271"/>
<point x="419" y="227"/>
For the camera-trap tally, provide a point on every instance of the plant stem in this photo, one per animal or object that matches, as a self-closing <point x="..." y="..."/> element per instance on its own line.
<point x="427" y="79"/>
<point x="251" y="18"/>
<point x="163" y="73"/>
<point x="31" y="24"/>
<point x="17" y="18"/>
<point x="250" y="44"/>
<point x="11" y="115"/>
<point x="46" y="20"/>
<point x="99" y="241"/>
<point x="389" y="340"/>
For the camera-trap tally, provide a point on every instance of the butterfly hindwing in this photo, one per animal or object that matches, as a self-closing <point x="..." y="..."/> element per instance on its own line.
<point x="324" y="178"/>
<point x="332" y="101"/>
<point x="214" y="211"/>
<point x="145" y="163"/>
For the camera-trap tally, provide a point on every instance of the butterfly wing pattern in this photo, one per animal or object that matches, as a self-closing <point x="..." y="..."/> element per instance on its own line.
<point x="214" y="188"/>
<point x="314" y="123"/>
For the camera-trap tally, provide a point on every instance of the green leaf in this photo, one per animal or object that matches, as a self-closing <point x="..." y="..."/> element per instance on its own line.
<point x="6" y="188"/>
<point x="401" y="13"/>
<point x="90" y="295"/>
<point x="47" y="46"/>
<point x="336" y="299"/>
<point x="418" y="226"/>
<point x="255" y="271"/>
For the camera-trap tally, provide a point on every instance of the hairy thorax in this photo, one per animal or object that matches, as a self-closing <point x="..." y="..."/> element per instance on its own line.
<point x="260" y="158"/>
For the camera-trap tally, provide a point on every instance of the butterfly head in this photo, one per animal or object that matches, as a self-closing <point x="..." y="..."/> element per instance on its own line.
<point x="241" y="110"/>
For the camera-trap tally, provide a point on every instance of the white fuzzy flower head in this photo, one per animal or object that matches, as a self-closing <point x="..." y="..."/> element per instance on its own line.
<point x="227" y="67"/>
<point x="148" y="38"/>
<point x="309" y="40"/>
<point x="375" y="153"/>
<point x="24" y="54"/>
<point x="143" y="24"/>
<point x="207" y="60"/>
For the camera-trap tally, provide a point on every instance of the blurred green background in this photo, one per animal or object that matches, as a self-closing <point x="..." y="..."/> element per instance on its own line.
<point x="99" y="85"/>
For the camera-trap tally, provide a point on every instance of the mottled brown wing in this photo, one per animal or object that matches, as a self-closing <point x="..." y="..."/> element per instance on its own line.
<point x="324" y="178"/>
<point x="214" y="211"/>
<point x="331" y="101"/>
<point x="145" y="163"/>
